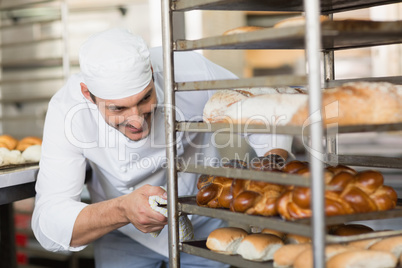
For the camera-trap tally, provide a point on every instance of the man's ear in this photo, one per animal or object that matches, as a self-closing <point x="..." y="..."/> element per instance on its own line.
<point x="85" y="92"/>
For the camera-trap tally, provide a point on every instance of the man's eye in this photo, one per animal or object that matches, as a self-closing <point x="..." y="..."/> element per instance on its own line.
<point x="114" y="108"/>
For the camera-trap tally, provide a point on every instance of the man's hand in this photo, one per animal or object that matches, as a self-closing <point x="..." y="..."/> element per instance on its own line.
<point x="136" y="208"/>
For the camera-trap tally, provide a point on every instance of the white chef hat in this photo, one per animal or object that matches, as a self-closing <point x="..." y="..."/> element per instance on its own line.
<point x="115" y="64"/>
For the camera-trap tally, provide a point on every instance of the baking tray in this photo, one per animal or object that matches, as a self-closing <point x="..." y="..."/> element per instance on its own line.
<point x="273" y="177"/>
<point x="188" y="205"/>
<point x="11" y="175"/>
<point x="327" y="6"/>
<point x="199" y="248"/>
<point x="335" y="35"/>
<point x="290" y="130"/>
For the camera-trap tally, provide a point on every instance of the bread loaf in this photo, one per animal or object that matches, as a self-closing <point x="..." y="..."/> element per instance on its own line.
<point x="362" y="192"/>
<point x="305" y="258"/>
<point x="215" y="108"/>
<point x="389" y="244"/>
<point x="349" y="104"/>
<point x="225" y="240"/>
<point x="295" y="21"/>
<point x="242" y="29"/>
<point x="351" y="229"/>
<point x="362" y="258"/>
<point x="286" y="255"/>
<point x="259" y="247"/>
<point x="296" y="239"/>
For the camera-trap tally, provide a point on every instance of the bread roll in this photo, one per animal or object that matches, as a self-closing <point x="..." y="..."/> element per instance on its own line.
<point x="296" y="239"/>
<point x="279" y="234"/>
<point x="32" y="153"/>
<point x="225" y="240"/>
<point x="390" y="244"/>
<point x="243" y="29"/>
<point x="295" y="21"/>
<point x="28" y="141"/>
<point x="286" y="255"/>
<point x="351" y="229"/>
<point x="305" y="258"/>
<point x="259" y="247"/>
<point x="362" y="258"/>
<point x="8" y="142"/>
<point x="364" y="244"/>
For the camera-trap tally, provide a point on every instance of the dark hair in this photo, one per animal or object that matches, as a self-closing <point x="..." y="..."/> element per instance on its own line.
<point x="92" y="97"/>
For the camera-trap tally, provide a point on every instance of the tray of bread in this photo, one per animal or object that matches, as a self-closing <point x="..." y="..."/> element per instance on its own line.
<point x="19" y="160"/>
<point x="339" y="34"/>
<point x="269" y="248"/>
<point x="350" y="195"/>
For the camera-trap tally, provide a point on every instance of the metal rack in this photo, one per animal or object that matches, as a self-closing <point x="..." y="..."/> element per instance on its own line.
<point x="314" y="38"/>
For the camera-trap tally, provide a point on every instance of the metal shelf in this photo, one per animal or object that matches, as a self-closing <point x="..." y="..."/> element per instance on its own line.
<point x="289" y="130"/>
<point x="273" y="177"/>
<point x="199" y="248"/>
<point x="262" y="81"/>
<point x="188" y="205"/>
<point x="391" y="79"/>
<point x="366" y="161"/>
<point x="327" y="6"/>
<point x="334" y="35"/>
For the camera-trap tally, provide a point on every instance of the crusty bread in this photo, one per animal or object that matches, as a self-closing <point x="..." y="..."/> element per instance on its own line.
<point x="362" y="258"/>
<point x="349" y="104"/>
<point x="295" y="21"/>
<point x="8" y="142"/>
<point x="28" y="141"/>
<point x="286" y="255"/>
<point x="364" y="244"/>
<point x="305" y="258"/>
<point x="259" y="247"/>
<point x="296" y="239"/>
<point x="390" y="244"/>
<point x="225" y="240"/>
<point x="242" y="29"/>
<point x="351" y="229"/>
<point x="279" y="234"/>
<point x="217" y="105"/>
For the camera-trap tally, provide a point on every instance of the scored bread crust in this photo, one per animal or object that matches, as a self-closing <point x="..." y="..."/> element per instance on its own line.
<point x="225" y="240"/>
<point x="362" y="258"/>
<point x="296" y="21"/>
<point x="242" y="29"/>
<point x="349" y="104"/>
<point x="286" y="255"/>
<point x="390" y="244"/>
<point x="259" y="247"/>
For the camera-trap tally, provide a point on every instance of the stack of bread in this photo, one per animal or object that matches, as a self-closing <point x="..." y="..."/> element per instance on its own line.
<point x="349" y="192"/>
<point x="349" y="104"/>
<point x="14" y="151"/>
<point x="289" y="250"/>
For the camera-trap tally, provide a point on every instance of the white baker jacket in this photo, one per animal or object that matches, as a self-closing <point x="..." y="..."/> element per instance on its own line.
<point x="75" y="134"/>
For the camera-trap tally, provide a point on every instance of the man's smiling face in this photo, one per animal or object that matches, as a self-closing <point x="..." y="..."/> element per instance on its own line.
<point x="132" y="115"/>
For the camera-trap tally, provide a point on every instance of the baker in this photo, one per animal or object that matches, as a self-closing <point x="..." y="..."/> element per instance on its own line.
<point x="109" y="117"/>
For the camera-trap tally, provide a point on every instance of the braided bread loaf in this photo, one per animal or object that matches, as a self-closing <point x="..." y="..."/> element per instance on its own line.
<point x="353" y="193"/>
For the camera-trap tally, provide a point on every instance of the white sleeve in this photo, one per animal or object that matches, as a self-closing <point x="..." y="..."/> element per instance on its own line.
<point x="59" y="185"/>
<point x="262" y="143"/>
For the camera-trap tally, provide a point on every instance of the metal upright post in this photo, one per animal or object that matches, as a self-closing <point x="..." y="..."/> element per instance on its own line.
<point x="313" y="49"/>
<point x="170" y="120"/>
<point x="329" y="74"/>
<point x="66" y="45"/>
